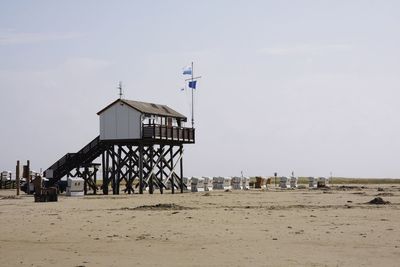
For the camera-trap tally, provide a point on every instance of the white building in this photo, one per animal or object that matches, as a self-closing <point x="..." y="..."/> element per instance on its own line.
<point x="127" y="119"/>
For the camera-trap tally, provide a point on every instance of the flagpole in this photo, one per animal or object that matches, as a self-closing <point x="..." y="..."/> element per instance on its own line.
<point x="192" y="99"/>
<point x="192" y="85"/>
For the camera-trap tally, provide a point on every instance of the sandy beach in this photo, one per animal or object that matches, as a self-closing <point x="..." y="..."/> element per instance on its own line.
<point x="271" y="227"/>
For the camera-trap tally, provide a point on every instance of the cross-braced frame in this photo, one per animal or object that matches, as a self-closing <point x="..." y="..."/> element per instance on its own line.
<point x="142" y="167"/>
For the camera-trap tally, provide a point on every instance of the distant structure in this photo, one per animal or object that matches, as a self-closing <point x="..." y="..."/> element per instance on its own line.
<point x="140" y="145"/>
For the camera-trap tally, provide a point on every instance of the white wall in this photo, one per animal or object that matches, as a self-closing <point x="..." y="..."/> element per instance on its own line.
<point x="120" y="122"/>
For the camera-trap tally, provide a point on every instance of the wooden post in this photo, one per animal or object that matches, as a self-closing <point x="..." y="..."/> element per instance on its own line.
<point x="140" y="169"/>
<point x="161" y="168"/>
<point x="119" y="170"/>
<point x="151" y="185"/>
<point x="130" y="176"/>
<point x="28" y="176"/>
<point x="181" y="167"/>
<point x="113" y="171"/>
<point x="172" y="167"/>
<point x="85" y="178"/>
<point x="17" y="169"/>
<point x="105" y="172"/>
<point x="95" y="181"/>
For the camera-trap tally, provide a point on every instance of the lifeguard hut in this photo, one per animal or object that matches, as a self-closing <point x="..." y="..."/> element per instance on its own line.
<point x="140" y="145"/>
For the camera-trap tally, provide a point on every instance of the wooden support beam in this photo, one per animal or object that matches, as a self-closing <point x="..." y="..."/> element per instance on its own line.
<point x="17" y="179"/>
<point x="181" y="167"/>
<point x="140" y="169"/>
<point x="105" y="172"/>
<point x="161" y="149"/>
<point x="176" y="153"/>
<point x="85" y="178"/>
<point x="113" y="170"/>
<point x="28" y="175"/>
<point x="151" y="185"/>
<point x="119" y="167"/>
<point x="95" y="180"/>
<point x="128" y="186"/>
<point x="172" y="166"/>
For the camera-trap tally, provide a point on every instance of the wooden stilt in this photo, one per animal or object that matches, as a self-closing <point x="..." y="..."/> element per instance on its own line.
<point x="181" y="168"/>
<point x="28" y="175"/>
<point x="151" y="181"/>
<point x="105" y="172"/>
<point x="85" y="178"/>
<point x="95" y="181"/>
<point x="140" y="169"/>
<point x="119" y="167"/>
<point x="161" y="169"/>
<point x="113" y="170"/>
<point x="129" y="184"/>
<point x="17" y="179"/>
<point x="172" y="166"/>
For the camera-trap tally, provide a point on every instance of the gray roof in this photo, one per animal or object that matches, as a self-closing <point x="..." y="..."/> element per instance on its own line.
<point x="148" y="108"/>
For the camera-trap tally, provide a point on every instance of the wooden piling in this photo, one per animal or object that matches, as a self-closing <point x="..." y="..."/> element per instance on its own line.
<point x="85" y="178"/>
<point x="28" y="174"/>
<point x="17" y="168"/>
<point x="181" y="168"/>
<point x="141" y="185"/>
<point x="151" y="185"/>
<point x="172" y="168"/>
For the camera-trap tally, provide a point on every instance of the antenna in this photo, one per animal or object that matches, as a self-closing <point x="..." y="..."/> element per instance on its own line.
<point x="120" y="89"/>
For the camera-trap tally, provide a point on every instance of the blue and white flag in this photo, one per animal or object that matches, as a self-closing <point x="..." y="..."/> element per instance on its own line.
<point x="192" y="84"/>
<point x="187" y="70"/>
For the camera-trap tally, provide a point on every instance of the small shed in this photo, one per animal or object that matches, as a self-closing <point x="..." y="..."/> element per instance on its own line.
<point x="127" y="119"/>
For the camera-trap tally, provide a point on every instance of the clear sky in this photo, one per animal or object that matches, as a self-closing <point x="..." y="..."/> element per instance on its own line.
<point x="306" y="86"/>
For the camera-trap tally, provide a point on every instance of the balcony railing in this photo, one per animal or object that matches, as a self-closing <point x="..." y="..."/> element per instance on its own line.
<point x="152" y="131"/>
